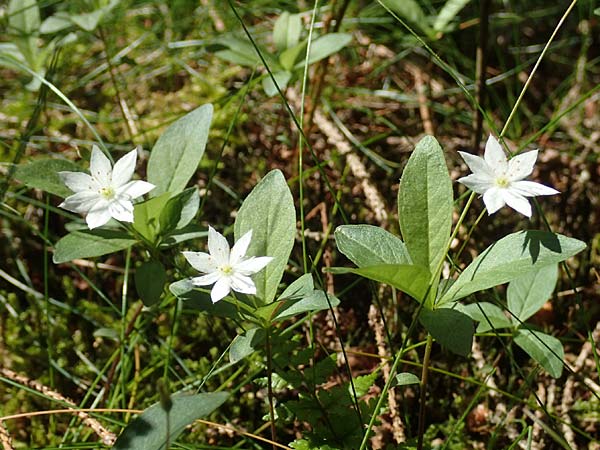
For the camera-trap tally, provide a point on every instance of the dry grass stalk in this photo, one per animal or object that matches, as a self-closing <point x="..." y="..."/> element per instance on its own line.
<point x="107" y="437"/>
<point x="5" y="438"/>
<point x="373" y="198"/>
<point x="376" y="323"/>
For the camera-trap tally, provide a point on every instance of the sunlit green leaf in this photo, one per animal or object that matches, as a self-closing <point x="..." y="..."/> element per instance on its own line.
<point x="90" y="243"/>
<point x="43" y="174"/>
<point x="367" y="245"/>
<point x="544" y="349"/>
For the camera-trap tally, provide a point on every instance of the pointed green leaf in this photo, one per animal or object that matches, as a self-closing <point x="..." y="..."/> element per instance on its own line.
<point x="152" y="429"/>
<point x="408" y="278"/>
<point x="290" y="58"/>
<point x="510" y="258"/>
<point x="488" y="315"/>
<point x="269" y="212"/>
<point x="367" y="245"/>
<point x="425" y="204"/>
<point x="245" y="344"/>
<point x="176" y="154"/>
<point x="239" y="51"/>
<point x="317" y="300"/>
<point x="150" y="279"/>
<point x="448" y="13"/>
<point x="299" y="288"/>
<point x="286" y="32"/>
<point x="179" y="210"/>
<point x="146" y="216"/>
<point x="43" y="174"/>
<point x="544" y="349"/>
<point x="56" y="22"/>
<point x="282" y="78"/>
<point x="90" y="243"/>
<point x="451" y="328"/>
<point x="406" y="378"/>
<point x="325" y="46"/>
<point x="528" y="293"/>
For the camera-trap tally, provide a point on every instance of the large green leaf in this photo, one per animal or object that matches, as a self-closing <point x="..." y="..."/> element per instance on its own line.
<point x="43" y="174"/>
<point x="317" y="300"/>
<point x="154" y="428"/>
<point x="150" y="278"/>
<point x="179" y="210"/>
<point x="510" y="258"/>
<point x="449" y="11"/>
<point x="544" y="349"/>
<point x="367" y="245"/>
<point x="408" y="278"/>
<point x="488" y="315"/>
<point x="239" y="51"/>
<point x="425" y="204"/>
<point x="528" y="293"/>
<point x="326" y="46"/>
<point x="24" y="24"/>
<point x="176" y="154"/>
<point x="269" y="212"/>
<point x="286" y="32"/>
<point x="90" y="243"/>
<point x="147" y="216"/>
<point x="246" y="343"/>
<point x="451" y="328"/>
<point x="282" y="78"/>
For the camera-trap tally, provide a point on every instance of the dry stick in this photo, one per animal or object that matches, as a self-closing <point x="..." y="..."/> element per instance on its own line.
<point x="373" y="198"/>
<point x="5" y="438"/>
<point x="480" y="64"/>
<point x="107" y="437"/>
<point x="417" y="74"/>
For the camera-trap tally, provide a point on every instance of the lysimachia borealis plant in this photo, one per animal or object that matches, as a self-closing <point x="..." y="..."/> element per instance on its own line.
<point x="245" y="279"/>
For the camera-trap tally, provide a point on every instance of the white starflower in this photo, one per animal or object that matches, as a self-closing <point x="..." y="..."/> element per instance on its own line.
<point x="501" y="180"/>
<point x="107" y="192"/>
<point x="227" y="269"/>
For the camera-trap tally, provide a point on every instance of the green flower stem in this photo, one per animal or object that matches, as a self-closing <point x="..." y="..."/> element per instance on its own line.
<point x="423" y="395"/>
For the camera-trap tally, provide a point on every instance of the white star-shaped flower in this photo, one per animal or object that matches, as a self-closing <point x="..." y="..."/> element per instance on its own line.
<point x="501" y="180"/>
<point x="227" y="269"/>
<point x="107" y="192"/>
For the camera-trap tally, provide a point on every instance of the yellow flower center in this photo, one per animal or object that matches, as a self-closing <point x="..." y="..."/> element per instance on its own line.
<point x="226" y="269"/>
<point x="502" y="182"/>
<point x="107" y="192"/>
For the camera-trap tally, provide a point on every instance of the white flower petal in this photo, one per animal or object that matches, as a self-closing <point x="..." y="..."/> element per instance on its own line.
<point x="81" y="202"/>
<point x="100" y="167"/>
<point x="252" y="265"/>
<point x="218" y="246"/>
<point x="98" y="215"/>
<point x="202" y="262"/>
<point x="493" y="200"/>
<point x="207" y="279"/>
<point x="135" y="189"/>
<point x="531" y="189"/>
<point x="240" y="248"/>
<point x="477" y="182"/>
<point x="124" y="168"/>
<point x="521" y="166"/>
<point x="477" y="164"/>
<point x="517" y="202"/>
<point x="121" y="210"/>
<point x="495" y="157"/>
<point x="243" y="284"/>
<point x="78" y="181"/>
<point x="220" y="289"/>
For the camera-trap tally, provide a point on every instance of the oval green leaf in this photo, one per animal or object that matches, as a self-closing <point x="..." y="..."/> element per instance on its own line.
<point x="154" y="428"/>
<point x="528" y="293"/>
<point x="451" y="328"/>
<point x="510" y="258"/>
<point x="367" y="245"/>
<point x="269" y="212"/>
<point x="176" y="154"/>
<point x="90" y="243"/>
<point x="546" y="350"/>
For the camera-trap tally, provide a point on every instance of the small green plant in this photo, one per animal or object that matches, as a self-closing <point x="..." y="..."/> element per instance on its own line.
<point x="290" y="55"/>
